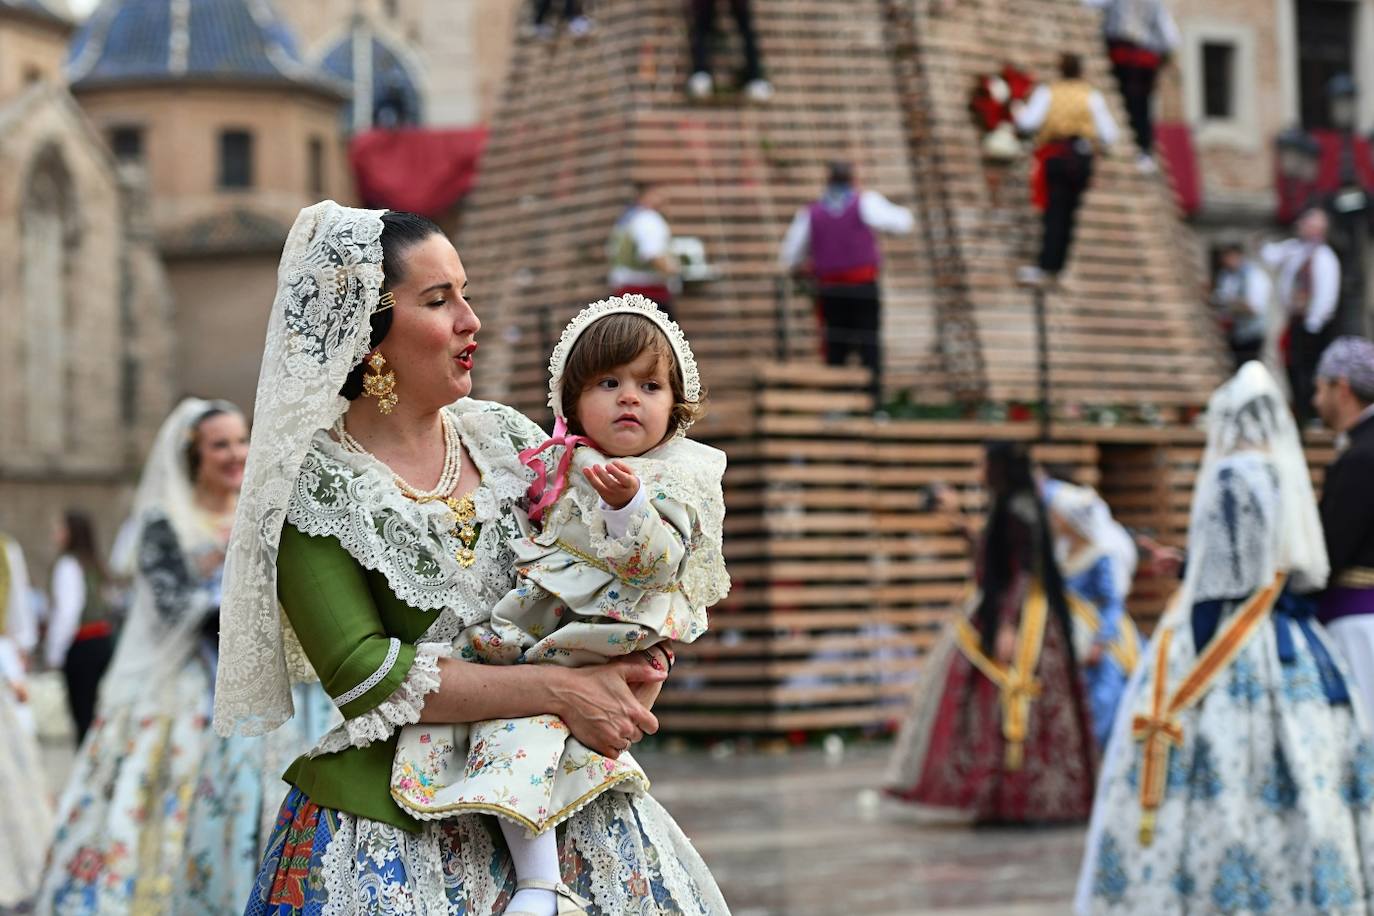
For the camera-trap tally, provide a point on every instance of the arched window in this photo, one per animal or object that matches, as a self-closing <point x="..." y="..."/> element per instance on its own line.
<point x="48" y="240"/>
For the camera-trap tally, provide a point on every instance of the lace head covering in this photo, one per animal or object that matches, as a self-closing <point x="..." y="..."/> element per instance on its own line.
<point x="151" y="648"/>
<point x="327" y="288"/>
<point x="1088" y="513"/>
<point x="633" y="304"/>
<point x="1254" y="512"/>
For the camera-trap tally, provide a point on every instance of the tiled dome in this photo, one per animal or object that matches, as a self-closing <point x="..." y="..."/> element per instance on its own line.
<point x="392" y="85"/>
<point x="153" y="41"/>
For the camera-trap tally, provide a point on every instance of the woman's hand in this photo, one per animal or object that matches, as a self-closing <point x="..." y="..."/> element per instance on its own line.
<point x="600" y="708"/>
<point x="660" y="658"/>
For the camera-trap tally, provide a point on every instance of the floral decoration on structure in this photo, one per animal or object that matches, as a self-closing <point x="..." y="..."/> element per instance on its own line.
<point x="991" y="106"/>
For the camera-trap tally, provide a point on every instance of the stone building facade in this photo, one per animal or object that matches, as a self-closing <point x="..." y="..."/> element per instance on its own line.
<point x="1248" y="70"/>
<point x="236" y="134"/>
<point x="85" y="351"/>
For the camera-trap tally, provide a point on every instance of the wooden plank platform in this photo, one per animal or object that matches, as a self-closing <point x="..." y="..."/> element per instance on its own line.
<point x="841" y="579"/>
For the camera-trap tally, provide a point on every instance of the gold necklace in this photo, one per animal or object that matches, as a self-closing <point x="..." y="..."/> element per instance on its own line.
<point x="464" y="512"/>
<point x="462" y="508"/>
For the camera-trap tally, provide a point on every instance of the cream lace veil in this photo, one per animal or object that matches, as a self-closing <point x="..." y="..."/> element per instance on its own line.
<point x="1088" y="513"/>
<point x="1254" y="511"/>
<point x="327" y="288"/>
<point x="151" y="648"/>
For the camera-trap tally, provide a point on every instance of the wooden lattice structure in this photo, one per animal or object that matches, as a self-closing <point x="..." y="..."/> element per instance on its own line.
<point x="841" y="579"/>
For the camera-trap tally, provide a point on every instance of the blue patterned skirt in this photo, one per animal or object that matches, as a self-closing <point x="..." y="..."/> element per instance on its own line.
<point x="628" y="858"/>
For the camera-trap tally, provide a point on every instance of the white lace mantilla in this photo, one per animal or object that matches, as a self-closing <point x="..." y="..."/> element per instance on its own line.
<point x="353" y="498"/>
<point x="682" y="470"/>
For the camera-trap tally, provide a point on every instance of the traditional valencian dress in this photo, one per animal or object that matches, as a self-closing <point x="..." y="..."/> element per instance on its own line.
<point x="25" y="811"/>
<point x="1238" y="779"/>
<point x="583" y="595"/>
<point x="1002" y="743"/>
<point x="159" y="815"/>
<point x="1097" y="578"/>
<point x="376" y="587"/>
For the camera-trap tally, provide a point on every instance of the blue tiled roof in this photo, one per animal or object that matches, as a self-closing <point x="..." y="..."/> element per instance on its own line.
<point x="35" y="8"/>
<point x="392" y="81"/>
<point x="157" y="40"/>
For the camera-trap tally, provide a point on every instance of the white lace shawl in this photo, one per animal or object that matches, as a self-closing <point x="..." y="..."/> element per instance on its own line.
<point x="328" y="284"/>
<point x="683" y="470"/>
<point x="353" y="498"/>
<point x="1254" y="513"/>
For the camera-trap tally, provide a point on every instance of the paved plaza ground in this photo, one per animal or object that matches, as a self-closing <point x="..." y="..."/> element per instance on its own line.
<point x="803" y="833"/>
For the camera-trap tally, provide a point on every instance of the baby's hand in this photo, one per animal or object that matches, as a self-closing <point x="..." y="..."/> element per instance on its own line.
<point x="615" y="483"/>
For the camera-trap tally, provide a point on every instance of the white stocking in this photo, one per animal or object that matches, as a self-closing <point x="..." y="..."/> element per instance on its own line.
<point x="534" y="857"/>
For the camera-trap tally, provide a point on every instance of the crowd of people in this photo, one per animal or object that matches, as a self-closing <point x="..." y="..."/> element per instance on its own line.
<point x="1279" y="301"/>
<point x="1225" y="766"/>
<point x="445" y="628"/>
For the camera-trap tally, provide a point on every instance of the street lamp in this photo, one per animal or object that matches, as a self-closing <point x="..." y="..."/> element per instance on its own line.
<point x="1349" y="201"/>
<point x="1299" y="156"/>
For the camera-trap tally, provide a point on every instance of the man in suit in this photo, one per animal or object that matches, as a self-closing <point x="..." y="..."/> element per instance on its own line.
<point x="1344" y="399"/>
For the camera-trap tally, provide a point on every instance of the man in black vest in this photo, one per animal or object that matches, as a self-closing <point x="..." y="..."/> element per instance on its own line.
<point x="1344" y="399"/>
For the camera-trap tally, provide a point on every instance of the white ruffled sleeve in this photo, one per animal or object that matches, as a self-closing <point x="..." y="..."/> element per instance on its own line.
<point x="402" y="707"/>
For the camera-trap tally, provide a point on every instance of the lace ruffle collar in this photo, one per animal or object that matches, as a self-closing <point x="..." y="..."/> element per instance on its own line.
<point x="353" y="498"/>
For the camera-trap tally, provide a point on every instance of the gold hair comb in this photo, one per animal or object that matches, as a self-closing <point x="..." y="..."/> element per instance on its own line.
<point x="385" y="301"/>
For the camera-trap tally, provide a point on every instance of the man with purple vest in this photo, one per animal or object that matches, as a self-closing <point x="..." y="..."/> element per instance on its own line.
<point x="837" y="236"/>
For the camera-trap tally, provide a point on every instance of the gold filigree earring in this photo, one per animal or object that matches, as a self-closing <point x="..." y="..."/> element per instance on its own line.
<point x="380" y="385"/>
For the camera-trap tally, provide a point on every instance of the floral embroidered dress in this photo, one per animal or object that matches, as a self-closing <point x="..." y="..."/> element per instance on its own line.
<point x="585" y="592"/>
<point x="961" y="752"/>
<point x="373" y="591"/>
<point x="160" y="815"/>
<point x="25" y="806"/>
<point x="1237" y="779"/>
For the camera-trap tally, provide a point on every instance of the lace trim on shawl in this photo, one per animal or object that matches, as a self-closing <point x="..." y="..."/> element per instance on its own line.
<point x="352" y="498"/>
<point x="704" y="579"/>
<point x="620" y="840"/>
<point x="403" y="707"/>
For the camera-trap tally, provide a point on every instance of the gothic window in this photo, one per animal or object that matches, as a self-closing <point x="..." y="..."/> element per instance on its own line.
<point x="47" y="229"/>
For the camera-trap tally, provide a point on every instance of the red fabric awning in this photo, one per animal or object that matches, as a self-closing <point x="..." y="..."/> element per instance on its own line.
<point x="1175" y="143"/>
<point x="417" y="169"/>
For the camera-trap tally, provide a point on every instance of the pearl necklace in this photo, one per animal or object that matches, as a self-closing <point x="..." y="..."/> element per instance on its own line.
<point x="462" y="509"/>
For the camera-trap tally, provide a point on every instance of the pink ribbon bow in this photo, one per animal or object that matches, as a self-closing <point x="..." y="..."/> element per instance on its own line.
<point x="541" y="495"/>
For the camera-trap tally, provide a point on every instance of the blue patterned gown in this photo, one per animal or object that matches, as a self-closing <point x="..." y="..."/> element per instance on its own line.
<point x="1095" y="584"/>
<point x="1268" y="800"/>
